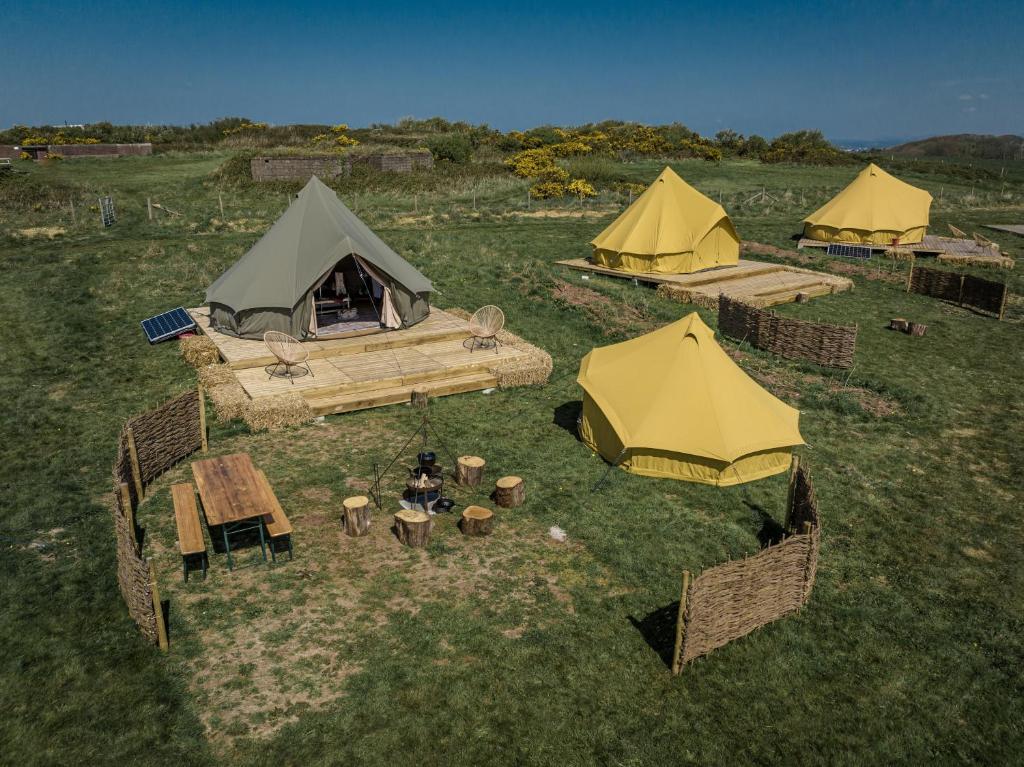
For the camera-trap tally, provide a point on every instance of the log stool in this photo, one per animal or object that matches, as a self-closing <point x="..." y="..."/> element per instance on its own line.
<point x="469" y="470"/>
<point x="356" y="515"/>
<point x="898" y="323"/>
<point x="916" y="328"/>
<point x="509" y="492"/>
<point x="477" y="521"/>
<point x="420" y="397"/>
<point x="413" y="527"/>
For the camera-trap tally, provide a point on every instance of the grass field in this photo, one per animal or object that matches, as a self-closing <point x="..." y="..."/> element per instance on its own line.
<point x="518" y="650"/>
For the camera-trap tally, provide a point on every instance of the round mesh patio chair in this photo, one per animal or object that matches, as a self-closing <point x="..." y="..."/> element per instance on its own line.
<point x="290" y="353"/>
<point x="485" y="324"/>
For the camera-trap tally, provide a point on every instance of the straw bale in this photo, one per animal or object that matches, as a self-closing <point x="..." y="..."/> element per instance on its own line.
<point x="225" y="392"/>
<point x="270" y="413"/>
<point x="685" y="296"/>
<point x="199" y="351"/>
<point x="532" y="369"/>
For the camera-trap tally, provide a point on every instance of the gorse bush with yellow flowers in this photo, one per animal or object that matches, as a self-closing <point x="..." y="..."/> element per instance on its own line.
<point x="581" y="188"/>
<point x="244" y="127"/>
<point x="338" y="138"/>
<point x="59" y="138"/>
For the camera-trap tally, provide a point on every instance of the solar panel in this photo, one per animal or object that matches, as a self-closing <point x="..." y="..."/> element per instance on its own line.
<point x="107" y="214"/>
<point x="168" y="325"/>
<point x="849" y="251"/>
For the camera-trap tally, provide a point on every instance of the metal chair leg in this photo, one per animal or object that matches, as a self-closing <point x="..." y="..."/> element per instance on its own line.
<point x="227" y="545"/>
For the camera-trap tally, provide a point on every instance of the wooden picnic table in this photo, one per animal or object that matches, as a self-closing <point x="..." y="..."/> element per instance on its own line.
<point x="234" y="496"/>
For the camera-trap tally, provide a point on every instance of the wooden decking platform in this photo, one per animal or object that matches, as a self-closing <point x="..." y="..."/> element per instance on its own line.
<point x="371" y="370"/>
<point x="752" y="281"/>
<point x="1011" y="228"/>
<point x="951" y="249"/>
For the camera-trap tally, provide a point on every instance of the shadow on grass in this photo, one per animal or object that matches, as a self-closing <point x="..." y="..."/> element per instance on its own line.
<point x="567" y="416"/>
<point x="659" y="630"/>
<point x="770" y="532"/>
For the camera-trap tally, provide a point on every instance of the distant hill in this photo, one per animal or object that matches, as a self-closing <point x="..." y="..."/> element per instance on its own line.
<point x="964" y="145"/>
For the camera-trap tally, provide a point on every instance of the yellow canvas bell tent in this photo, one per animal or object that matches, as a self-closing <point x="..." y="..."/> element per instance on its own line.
<point x="669" y="229"/>
<point x="874" y="209"/>
<point x="672" y="404"/>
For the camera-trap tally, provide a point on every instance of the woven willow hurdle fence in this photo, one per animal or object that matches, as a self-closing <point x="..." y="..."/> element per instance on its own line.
<point x="149" y="445"/>
<point x="730" y="600"/>
<point x="824" y="344"/>
<point x="962" y="289"/>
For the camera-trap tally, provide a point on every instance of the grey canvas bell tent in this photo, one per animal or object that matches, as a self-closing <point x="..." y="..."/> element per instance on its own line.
<point x="319" y="271"/>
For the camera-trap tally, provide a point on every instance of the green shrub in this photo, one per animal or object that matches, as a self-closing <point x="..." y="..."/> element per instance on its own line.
<point x="451" y="147"/>
<point x="805" y="147"/>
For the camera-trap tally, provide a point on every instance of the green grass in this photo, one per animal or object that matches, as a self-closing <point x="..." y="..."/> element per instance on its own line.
<point x="520" y="651"/>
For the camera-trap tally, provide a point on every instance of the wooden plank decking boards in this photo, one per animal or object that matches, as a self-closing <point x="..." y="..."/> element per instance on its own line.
<point x="241" y="353"/>
<point x="769" y="284"/>
<point x="370" y="371"/>
<point x="345" y="402"/>
<point x="1011" y="228"/>
<point x="953" y="249"/>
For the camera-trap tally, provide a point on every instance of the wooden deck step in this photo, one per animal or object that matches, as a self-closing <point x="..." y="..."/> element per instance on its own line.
<point x="788" y="295"/>
<point x="326" y="404"/>
<point x="482" y="363"/>
<point x="793" y="286"/>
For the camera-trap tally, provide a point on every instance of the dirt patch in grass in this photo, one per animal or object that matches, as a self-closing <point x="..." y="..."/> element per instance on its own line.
<point x="412" y="220"/>
<point x="562" y="213"/>
<point x="748" y="247"/>
<point x="279" y="640"/>
<point x="37" y="232"/>
<point x="612" y="316"/>
<point x="265" y="643"/>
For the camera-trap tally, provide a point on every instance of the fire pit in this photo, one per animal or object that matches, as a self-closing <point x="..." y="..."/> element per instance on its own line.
<point x="424" y="489"/>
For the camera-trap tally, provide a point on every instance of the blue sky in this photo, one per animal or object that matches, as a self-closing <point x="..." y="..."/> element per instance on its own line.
<point x="855" y="70"/>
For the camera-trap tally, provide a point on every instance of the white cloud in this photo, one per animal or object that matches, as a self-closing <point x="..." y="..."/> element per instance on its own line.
<point x="982" y="95"/>
<point x="970" y="109"/>
<point x="966" y="97"/>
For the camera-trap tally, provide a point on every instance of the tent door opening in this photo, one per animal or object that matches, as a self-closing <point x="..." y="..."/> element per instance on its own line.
<point x="347" y="301"/>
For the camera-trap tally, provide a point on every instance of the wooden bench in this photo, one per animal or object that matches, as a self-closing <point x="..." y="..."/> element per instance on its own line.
<point x="190" y="529"/>
<point x="277" y="524"/>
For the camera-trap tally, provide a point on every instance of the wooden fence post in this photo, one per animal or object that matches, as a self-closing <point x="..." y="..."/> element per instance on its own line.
<point x="806" y="592"/>
<point x="960" y="294"/>
<point x="158" y="609"/>
<point x="129" y="512"/>
<point x="149" y="208"/>
<point x="220" y="199"/>
<point x="202" y="419"/>
<point x="677" y="664"/>
<point x="910" y="274"/>
<point x="1002" y="303"/>
<point x="136" y="470"/>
